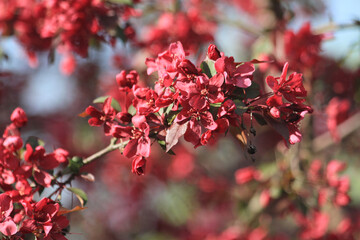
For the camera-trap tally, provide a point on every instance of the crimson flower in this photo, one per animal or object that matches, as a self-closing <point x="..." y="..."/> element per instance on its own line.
<point x="41" y="161"/>
<point x="44" y="220"/>
<point x="18" y="117"/>
<point x="246" y="174"/>
<point x="193" y="118"/>
<point x="139" y="143"/>
<point x="138" y="165"/>
<point x="292" y="88"/>
<point x="213" y="53"/>
<point x="7" y="224"/>
<point x="106" y="116"/>
<point x="207" y="91"/>
<point x="302" y="48"/>
<point x="236" y="74"/>
<point x="127" y="80"/>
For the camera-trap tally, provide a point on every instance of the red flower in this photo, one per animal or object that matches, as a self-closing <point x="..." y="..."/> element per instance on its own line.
<point x="68" y="64"/>
<point x="18" y="117"/>
<point x="139" y="143"/>
<point x="106" y="116"/>
<point x="138" y="165"/>
<point x="194" y="117"/>
<point x="292" y="88"/>
<point x="236" y="74"/>
<point x="13" y="143"/>
<point x="7" y="224"/>
<point x="315" y="226"/>
<point x="127" y="81"/>
<point x="337" y="111"/>
<point x="246" y="174"/>
<point x="44" y="219"/>
<point x="41" y="161"/>
<point x="213" y="53"/>
<point x="207" y="91"/>
<point x="302" y="49"/>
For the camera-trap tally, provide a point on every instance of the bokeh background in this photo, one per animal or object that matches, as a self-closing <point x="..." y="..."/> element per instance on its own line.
<point x="196" y="194"/>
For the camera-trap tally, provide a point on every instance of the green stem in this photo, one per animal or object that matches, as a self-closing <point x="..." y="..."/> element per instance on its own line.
<point x="112" y="146"/>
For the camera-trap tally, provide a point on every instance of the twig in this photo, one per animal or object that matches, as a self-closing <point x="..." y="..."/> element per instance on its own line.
<point x="104" y="151"/>
<point x="325" y="140"/>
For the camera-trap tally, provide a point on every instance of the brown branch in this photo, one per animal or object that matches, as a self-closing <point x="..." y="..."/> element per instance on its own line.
<point x="325" y="140"/>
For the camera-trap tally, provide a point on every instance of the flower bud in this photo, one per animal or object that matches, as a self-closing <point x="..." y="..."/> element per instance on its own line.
<point x="18" y="117"/>
<point x="213" y="53"/>
<point x="138" y="165"/>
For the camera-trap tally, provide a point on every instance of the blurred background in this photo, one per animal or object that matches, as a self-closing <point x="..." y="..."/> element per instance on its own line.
<point x="200" y="194"/>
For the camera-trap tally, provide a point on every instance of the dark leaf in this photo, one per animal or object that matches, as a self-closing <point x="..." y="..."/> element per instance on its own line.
<point x="280" y="127"/>
<point x="34" y="142"/>
<point x="240" y="107"/>
<point x="253" y="91"/>
<point x="260" y="119"/>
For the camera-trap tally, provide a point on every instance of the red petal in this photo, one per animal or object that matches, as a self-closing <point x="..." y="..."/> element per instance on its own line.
<point x="272" y="82"/>
<point x="217" y="80"/>
<point x="137" y="120"/>
<point x="107" y="108"/>
<point x="95" y="122"/>
<point x="143" y="147"/>
<point x="6" y="205"/>
<point x="90" y="110"/>
<point x="49" y="162"/>
<point x="8" y="227"/>
<point x="131" y="148"/>
<point x="43" y="178"/>
<point x="207" y="121"/>
<point x="284" y="73"/>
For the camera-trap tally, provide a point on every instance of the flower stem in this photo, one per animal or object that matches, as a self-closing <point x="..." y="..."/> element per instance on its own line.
<point x="111" y="147"/>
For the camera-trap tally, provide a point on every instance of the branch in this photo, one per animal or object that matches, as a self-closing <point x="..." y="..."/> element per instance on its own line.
<point x="112" y="146"/>
<point x="334" y="27"/>
<point x="325" y="140"/>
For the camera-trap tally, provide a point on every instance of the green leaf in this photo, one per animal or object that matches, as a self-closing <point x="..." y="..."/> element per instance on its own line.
<point x="80" y="194"/>
<point x="114" y="103"/>
<point x="75" y="164"/>
<point x="217" y="105"/>
<point x="163" y="146"/>
<point x="34" y="142"/>
<point x="128" y="2"/>
<point x="168" y="109"/>
<point x="161" y="111"/>
<point x="132" y="110"/>
<point x="240" y="107"/>
<point x="208" y="67"/>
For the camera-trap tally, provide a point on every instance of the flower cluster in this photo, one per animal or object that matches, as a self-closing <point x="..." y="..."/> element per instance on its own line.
<point x="68" y="26"/>
<point x="190" y="28"/>
<point x="25" y="171"/>
<point x="200" y="104"/>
